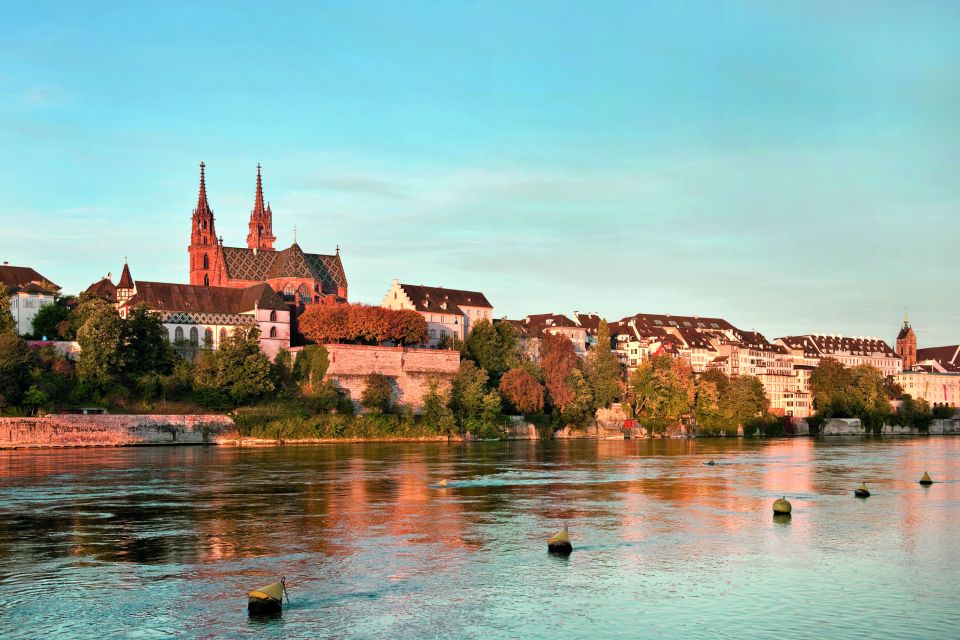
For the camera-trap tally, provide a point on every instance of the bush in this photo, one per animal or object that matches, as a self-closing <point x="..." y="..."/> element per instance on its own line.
<point x="769" y="426"/>
<point x="378" y="394"/>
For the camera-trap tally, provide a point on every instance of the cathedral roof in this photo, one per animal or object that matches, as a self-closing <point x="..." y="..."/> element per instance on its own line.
<point x="247" y="264"/>
<point x="168" y="296"/>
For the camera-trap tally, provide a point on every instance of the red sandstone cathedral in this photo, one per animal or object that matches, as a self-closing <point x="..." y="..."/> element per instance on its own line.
<point x="298" y="277"/>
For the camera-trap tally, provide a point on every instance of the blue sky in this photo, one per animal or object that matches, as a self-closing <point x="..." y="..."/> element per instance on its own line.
<point x="790" y="166"/>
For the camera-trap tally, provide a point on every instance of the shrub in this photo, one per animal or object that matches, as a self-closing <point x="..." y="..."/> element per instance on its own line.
<point x="378" y="394"/>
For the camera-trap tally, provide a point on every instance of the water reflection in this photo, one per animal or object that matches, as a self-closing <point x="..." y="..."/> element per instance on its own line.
<point x="371" y="547"/>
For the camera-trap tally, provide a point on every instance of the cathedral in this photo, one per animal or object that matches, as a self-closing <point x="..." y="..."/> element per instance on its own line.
<point x="298" y="277"/>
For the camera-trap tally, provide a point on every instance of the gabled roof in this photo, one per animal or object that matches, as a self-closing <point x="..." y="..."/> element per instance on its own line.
<point x="822" y="345"/>
<point x="167" y="296"/>
<point x="439" y="300"/>
<point x="292" y="262"/>
<point x="25" y="280"/>
<point x="948" y="353"/>
<point x="589" y="321"/>
<point x="645" y="321"/>
<point x="105" y="289"/>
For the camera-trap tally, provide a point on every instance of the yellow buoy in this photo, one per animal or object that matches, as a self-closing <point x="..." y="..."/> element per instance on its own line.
<point x="926" y="478"/>
<point x="268" y="599"/>
<point x="442" y="483"/>
<point x="560" y="543"/>
<point x="862" y="491"/>
<point x="782" y="506"/>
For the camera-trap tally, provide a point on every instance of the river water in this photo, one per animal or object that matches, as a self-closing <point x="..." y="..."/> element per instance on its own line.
<point x="165" y="541"/>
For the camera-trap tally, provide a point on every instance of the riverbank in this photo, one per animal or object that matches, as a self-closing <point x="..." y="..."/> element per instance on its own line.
<point x="70" y="430"/>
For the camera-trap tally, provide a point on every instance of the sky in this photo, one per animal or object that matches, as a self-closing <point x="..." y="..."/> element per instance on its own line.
<point x="788" y="166"/>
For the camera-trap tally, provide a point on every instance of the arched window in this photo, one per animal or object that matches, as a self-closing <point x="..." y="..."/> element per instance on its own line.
<point x="178" y="334"/>
<point x="206" y="279"/>
<point x="208" y="338"/>
<point x="223" y="335"/>
<point x="273" y="316"/>
<point x="305" y="294"/>
<point x="194" y="336"/>
<point x="166" y="333"/>
<point x="273" y="332"/>
<point x="206" y="262"/>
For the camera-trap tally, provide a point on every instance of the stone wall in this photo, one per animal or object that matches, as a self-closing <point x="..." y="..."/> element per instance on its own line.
<point x="68" y="430"/>
<point x="409" y="370"/>
<point x="853" y="427"/>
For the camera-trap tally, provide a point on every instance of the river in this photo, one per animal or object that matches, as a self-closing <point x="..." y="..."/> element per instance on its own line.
<point x="157" y="542"/>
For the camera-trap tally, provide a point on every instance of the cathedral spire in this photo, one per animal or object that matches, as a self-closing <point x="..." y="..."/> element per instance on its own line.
<point x="203" y="207"/>
<point x="260" y="235"/>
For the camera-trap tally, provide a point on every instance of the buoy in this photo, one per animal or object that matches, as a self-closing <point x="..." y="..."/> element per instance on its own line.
<point x="442" y="483"/>
<point x="560" y="543"/>
<point x="268" y="599"/>
<point x="926" y="479"/>
<point x="782" y="506"/>
<point x="711" y="463"/>
<point x="862" y="491"/>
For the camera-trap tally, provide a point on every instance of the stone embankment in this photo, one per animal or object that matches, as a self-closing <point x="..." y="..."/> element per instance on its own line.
<point x="67" y="430"/>
<point x="853" y="427"/>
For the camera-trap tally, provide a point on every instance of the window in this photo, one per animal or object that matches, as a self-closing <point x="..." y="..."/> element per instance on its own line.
<point x="206" y="280"/>
<point x="433" y="333"/>
<point x="178" y="334"/>
<point x="166" y="333"/>
<point x="273" y="332"/>
<point x="194" y="336"/>
<point x="208" y="338"/>
<point x="206" y="262"/>
<point x="223" y="335"/>
<point x="273" y="316"/>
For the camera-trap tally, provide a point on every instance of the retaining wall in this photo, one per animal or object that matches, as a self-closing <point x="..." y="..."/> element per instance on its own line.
<point x="68" y="430"/>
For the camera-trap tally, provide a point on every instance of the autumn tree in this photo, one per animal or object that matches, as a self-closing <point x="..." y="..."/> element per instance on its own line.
<point x="407" y="327"/>
<point x="363" y="324"/>
<point x="743" y="399"/>
<point x="602" y="370"/>
<point x="706" y="408"/>
<point x="522" y="390"/>
<point x="322" y="323"/>
<point x="557" y="360"/>
<point x="662" y="389"/>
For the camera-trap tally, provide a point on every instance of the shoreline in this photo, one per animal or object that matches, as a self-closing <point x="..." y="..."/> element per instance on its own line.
<point x="68" y="431"/>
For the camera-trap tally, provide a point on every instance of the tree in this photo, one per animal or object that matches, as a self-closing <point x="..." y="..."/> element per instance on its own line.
<point x="311" y="365"/>
<point x="467" y="392"/>
<point x="868" y="395"/>
<point x="49" y="321"/>
<point x="602" y="370"/>
<point x="238" y="369"/>
<point x="7" y="323"/>
<point x="557" y="360"/>
<point x="378" y="394"/>
<point x="579" y="410"/>
<point x="324" y="323"/>
<point x="101" y="336"/>
<point x="830" y="385"/>
<point x="663" y="391"/>
<point x="522" y="390"/>
<point x="407" y="327"/>
<point x="744" y="399"/>
<point x="144" y="344"/>
<point x="706" y="408"/>
<point x="15" y="364"/>
<point x="483" y="346"/>
<point x="435" y="411"/>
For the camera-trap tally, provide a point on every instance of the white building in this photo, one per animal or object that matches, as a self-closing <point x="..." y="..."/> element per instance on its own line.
<point x="27" y="292"/>
<point x="450" y="313"/>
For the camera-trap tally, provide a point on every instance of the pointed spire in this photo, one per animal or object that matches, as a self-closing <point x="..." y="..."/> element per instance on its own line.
<point x="906" y="318"/>
<point x="202" y="205"/>
<point x="294" y="234"/>
<point x="126" y="280"/>
<point x="258" y="208"/>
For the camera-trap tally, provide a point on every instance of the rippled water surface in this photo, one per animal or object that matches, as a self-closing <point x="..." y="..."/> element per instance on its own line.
<point x="160" y="542"/>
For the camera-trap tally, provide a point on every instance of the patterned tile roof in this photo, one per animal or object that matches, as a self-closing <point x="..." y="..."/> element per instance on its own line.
<point x="292" y="262"/>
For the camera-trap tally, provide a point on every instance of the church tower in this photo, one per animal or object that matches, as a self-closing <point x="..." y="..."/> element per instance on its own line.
<point x="260" y="236"/>
<point x="907" y="344"/>
<point x="203" y="238"/>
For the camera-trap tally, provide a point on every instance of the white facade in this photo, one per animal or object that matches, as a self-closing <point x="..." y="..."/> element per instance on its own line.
<point x="450" y="313"/>
<point x="25" y="306"/>
<point x="935" y="388"/>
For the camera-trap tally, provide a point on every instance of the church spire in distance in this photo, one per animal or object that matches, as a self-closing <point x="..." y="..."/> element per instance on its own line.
<point x="260" y="236"/>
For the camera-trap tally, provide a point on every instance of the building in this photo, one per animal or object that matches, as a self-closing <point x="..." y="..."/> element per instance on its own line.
<point x="533" y="327"/>
<point x="809" y="349"/>
<point x="938" y="388"/>
<point x="196" y="316"/>
<point x="298" y="277"/>
<point x="27" y="292"/>
<point x="450" y="313"/>
<point x="907" y="345"/>
<point x="591" y="323"/>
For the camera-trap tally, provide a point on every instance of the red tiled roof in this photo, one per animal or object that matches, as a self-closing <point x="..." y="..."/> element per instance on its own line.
<point x="819" y="345"/>
<point x="26" y="280"/>
<point x="292" y="262"/>
<point x="440" y="300"/>
<point x="948" y="353"/>
<point x="166" y="296"/>
<point x="105" y="289"/>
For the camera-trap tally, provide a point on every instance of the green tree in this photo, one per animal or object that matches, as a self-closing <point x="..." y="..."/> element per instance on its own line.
<point x="743" y="400"/>
<point x="483" y="346"/>
<point x="706" y="409"/>
<point x="15" y="365"/>
<point x="144" y="344"/>
<point x="663" y="391"/>
<point x="101" y="336"/>
<point x="311" y="365"/>
<point x="435" y="412"/>
<point x="238" y="369"/>
<point x="830" y="385"/>
<point x="7" y="323"/>
<point x="868" y="393"/>
<point x="579" y="411"/>
<point x="49" y="320"/>
<point x="35" y="399"/>
<point x="378" y="394"/>
<point x="602" y="370"/>
<point x="467" y="392"/>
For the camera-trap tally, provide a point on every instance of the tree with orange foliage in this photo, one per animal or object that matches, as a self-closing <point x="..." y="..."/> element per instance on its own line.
<point x="522" y="390"/>
<point x="558" y="359"/>
<point x="322" y="323"/>
<point x="408" y="327"/>
<point x="362" y="324"/>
